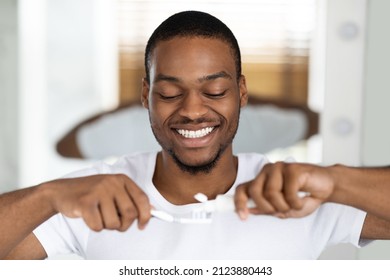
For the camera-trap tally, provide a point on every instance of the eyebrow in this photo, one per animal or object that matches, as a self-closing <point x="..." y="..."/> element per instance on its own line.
<point x="211" y="77"/>
<point x="215" y="76"/>
<point x="162" y="77"/>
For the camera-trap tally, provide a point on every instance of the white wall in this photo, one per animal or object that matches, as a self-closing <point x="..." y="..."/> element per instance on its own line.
<point x="8" y="95"/>
<point x="376" y="113"/>
<point x="356" y="95"/>
<point x="376" y="136"/>
<point x="32" y="95"/>
<point x="337" y="72"/>
<point x="68" y="71"/>
<point x="341" y="124"/>
<point x="58" y="64"/>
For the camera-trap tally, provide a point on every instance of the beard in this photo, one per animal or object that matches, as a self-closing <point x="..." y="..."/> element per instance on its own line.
<point x="204" y="167"/>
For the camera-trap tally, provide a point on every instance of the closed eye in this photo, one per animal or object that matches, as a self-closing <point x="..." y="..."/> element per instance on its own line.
<point x="168" y="97"/>
<point x="216" y="95"/>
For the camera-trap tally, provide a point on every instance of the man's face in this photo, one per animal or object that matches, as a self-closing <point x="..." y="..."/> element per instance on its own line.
<point x="194" y="99"/>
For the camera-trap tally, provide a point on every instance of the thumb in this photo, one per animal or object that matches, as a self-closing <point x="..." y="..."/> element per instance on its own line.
<point x="310" y="205"/>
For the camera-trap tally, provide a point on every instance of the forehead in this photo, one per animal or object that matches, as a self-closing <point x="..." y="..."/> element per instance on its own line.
<point x="192" y="57"/>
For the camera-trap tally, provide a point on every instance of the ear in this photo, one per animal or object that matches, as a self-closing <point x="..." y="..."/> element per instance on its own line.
<point x="243" y="91"/>
<point x="145" y="93"/>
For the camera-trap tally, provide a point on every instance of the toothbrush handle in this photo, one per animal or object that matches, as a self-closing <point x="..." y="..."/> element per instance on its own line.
<point x="224" y="203"/>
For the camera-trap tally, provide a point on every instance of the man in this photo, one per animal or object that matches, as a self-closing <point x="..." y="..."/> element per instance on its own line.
<point x="194" y="90"/>
<point x="278" y="124"/>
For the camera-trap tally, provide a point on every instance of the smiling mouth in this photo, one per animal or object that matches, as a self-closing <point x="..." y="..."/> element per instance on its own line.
<point x="195" y="133"/>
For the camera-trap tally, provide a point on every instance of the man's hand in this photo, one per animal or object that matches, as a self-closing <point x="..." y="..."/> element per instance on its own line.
<point x="278" y="187"/>
<point x="103" y="201"/>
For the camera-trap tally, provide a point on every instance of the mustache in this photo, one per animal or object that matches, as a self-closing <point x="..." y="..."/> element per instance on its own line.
<point x="185" y="120"/>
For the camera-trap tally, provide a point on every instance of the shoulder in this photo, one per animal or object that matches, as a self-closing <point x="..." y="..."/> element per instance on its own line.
<point x="131" y="165"/>
<point x="140" y="160"/>
<point x="252" y="158"/>
<point x="250" y="164"/>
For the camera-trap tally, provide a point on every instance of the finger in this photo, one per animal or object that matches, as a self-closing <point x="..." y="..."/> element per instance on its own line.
<point x="143" y="206"/>
<point x="274" y="190"/>
<point x="241" y="201"/>
<point x="125" y="207"/>
<point x="255" y="192"/>
<point x="309" y="206"/>
<point x="140" y="201"/>
<point x="91" y="215"/>
<point x="293" y="184"/>
<point x="109" y="213"/>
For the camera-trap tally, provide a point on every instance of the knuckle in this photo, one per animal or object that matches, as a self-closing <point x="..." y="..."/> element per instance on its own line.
<point x="295" y="204"/>
<point x="100" y="180"/>
<point x="268" y="166"/>
<point x="129" y="213"/>
<point x="95" y="226"/>
<point x="269" y="194"/>
<point x="254" y="188"/>
<point x="86" y="201"/>
<point x="268" y="210"/>
<point x="272" y="195"/>
<point x="244" y="186"/>
<point x="283" y="208"/>
<point x="112" y="224"/>
<point x="142" y="197"/>
<point x="279" y="164"/>
<point x="240" y="190"/>
<point x="121" y="177"/>
<point x="290" y="197"/>
<point x="111" y="180"/>
<point x="144" y="216"/>
<point x="291" y="168"/>
<point x="107" y="182"/>
<point x="124" y="227"/>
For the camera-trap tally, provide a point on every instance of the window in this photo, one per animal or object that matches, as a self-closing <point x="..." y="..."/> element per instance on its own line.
<point x="274" y="36"/>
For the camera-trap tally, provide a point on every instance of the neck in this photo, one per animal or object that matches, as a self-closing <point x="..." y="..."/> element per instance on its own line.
<point x="179" y="187"/>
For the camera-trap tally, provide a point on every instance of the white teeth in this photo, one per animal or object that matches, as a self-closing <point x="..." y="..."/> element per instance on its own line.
<point x="195" y="133"/>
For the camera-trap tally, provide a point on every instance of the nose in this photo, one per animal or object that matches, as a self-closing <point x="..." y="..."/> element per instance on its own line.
<point x="192" y="106"/>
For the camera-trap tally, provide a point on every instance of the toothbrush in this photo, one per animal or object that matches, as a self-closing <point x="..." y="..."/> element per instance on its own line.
<point x="164" y="216"/>
<point x="203" y="213"/>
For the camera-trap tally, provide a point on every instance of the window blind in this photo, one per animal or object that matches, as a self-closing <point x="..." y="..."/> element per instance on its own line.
<point x="267" y="30"/>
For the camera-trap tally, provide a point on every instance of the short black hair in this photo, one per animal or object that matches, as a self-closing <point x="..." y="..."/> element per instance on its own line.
<point x="192" y="24"/>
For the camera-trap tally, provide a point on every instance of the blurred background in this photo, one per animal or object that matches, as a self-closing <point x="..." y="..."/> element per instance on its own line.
<point x="63" y="61"/>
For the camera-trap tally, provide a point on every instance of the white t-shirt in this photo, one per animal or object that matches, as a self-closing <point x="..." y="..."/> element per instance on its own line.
<point x="227" y="237"/>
